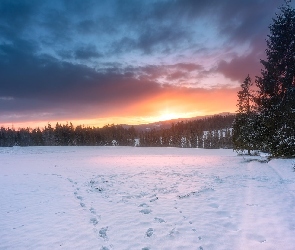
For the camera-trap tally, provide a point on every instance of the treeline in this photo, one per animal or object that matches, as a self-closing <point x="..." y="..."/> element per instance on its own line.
<point x="68" y="135"/>
<point x="266" y="113"/>
<point x="213" y="132"/>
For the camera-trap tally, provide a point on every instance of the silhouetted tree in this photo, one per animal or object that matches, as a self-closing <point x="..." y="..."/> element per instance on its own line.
<point x="276" y="85"/>
<point x="244" y="135"/>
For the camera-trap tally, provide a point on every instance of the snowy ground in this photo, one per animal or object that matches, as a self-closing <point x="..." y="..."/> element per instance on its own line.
<point x="144" y="198"/>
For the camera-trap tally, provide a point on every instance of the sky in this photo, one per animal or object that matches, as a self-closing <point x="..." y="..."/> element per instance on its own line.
<point x="127" y="61"/>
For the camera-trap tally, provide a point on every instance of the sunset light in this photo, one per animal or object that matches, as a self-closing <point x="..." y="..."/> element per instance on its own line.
<point x="168" y="116"/>
<point x="119" y="62"/>
<point x="147" y="124"/>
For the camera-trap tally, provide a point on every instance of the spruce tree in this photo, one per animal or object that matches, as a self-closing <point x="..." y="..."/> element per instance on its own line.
<point x="243" y="134"/>
<point x="276" y="86"/>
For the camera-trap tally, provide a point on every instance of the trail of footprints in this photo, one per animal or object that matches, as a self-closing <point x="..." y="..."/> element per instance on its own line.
<point x="104" y="186"/>
<point x="95" y="218"/>
<point x="144" y="208"/>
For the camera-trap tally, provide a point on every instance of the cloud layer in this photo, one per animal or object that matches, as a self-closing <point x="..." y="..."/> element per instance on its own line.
<point x="88" y="59"/>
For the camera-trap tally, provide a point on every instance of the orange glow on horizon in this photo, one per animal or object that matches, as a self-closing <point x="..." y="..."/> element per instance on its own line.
<point x="171" y="104"/>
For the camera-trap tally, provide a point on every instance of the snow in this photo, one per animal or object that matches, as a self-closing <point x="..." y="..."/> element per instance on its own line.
<point x="144" y="198"/>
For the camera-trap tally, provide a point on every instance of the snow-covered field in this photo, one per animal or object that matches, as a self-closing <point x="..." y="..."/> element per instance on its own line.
<point x="144" y="198"/>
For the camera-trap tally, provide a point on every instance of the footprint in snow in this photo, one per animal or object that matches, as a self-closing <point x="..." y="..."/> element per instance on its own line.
<point x="94" y="221"/>
<point x="92" y="210"/>
<point x="143" y="205"/>
<point x="173" y="232"/>
<point x="214" y="205"/>
<point x="103" y="232"/>
<point x="149" y="232"/>
<point x="160" y="220"/>
<point x="145" y="211"/>
<point x="79" y="197"/>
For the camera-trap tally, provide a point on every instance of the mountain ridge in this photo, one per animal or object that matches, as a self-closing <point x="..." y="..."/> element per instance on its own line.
<point x="167" y="123"/>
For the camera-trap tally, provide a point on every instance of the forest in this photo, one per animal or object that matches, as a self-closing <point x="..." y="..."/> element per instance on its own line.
<point x="209" y="132"/>
<point x="266" y="108"/>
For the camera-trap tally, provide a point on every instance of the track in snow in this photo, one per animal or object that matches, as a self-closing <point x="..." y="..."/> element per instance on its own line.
<point x="129" y="198"/>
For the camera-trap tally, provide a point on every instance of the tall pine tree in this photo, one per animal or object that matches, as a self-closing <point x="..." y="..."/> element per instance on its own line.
<point x="243" y="134"/>
<point x="276" y="100"/>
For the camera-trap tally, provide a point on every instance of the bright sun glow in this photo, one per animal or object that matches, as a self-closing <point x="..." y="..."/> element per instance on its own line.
<point x="168" y="116"/>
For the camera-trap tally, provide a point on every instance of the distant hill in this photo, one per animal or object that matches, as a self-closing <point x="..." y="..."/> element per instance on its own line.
<point x="168" y="123"/>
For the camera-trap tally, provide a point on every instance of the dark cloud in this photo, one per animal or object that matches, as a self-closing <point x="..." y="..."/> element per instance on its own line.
<point x="69" y="55"/>
<point x="35" y="83"/>
<point x="87" y="26"/>
<point x="28" y="78"/>
<point x="163" y="39"/>
<point x="17" y="15"/>
<point x="87" y="52"/>
<point x="124" y="44"/>
<point x="177" y="75"/>
<point x="161" y="26"/>
<point x="168" y="72"/>
<point x="238" y="67"/>
<point x="243" y="21"/>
